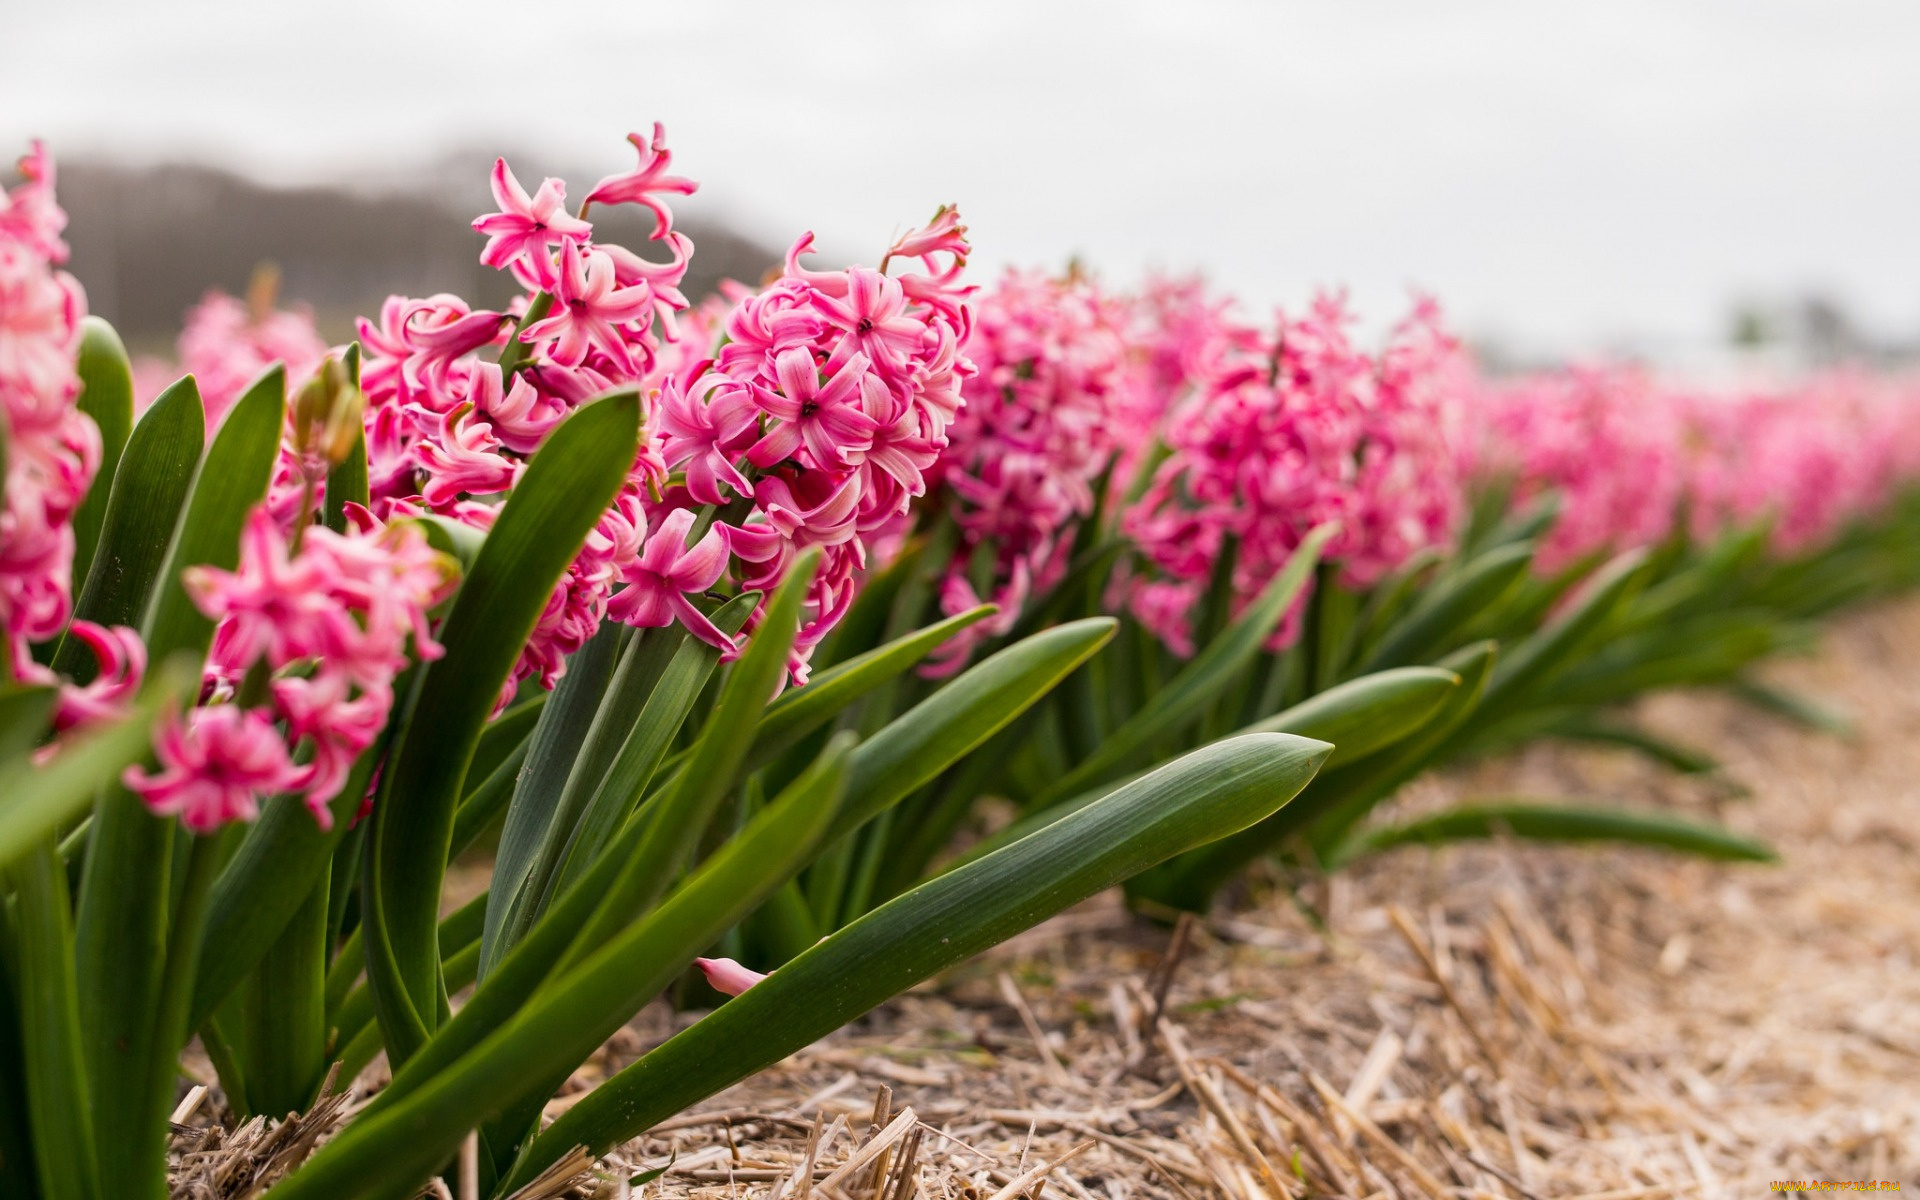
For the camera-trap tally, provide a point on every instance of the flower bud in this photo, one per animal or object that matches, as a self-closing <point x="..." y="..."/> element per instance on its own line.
<point x="327" y="413"/>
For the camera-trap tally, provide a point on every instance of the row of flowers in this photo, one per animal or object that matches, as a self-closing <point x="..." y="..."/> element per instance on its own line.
<point x="859" y="411"/>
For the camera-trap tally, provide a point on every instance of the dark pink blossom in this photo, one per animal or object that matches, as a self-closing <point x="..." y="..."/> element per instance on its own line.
<point x="647" y="182"/>
<point x="659" y="581"/>
<point x="521" y="235"/>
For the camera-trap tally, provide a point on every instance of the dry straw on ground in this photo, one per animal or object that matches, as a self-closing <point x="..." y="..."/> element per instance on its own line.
<point x="1496" y="1020"/>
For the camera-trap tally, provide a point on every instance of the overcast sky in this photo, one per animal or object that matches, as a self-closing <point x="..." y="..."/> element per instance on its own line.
<point x="1562" y="175"/>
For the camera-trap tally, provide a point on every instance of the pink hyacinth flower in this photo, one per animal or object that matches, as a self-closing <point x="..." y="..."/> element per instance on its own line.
<point x="646" y="182"/>
<point x="659" y="580"/>
<point x="589" y="307"/>
<point x="123" y="664"/>
<point x="727" y="976"/>
<point x="520" y="233"/>
<point x="215" y="766"/>
<point x="826" y="418"/>
<point x="464" y="460"/>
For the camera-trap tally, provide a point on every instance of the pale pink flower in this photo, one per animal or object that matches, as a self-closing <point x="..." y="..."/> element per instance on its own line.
<point x="726" y="976"/>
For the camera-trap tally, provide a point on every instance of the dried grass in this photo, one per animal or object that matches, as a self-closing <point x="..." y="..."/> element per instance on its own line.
<point x="1490" y="1021"/>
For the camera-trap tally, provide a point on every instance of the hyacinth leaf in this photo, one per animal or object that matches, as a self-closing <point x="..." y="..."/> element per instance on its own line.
<point x="1366" y="715"/>
<point x="1707" y="582"/>
<point x="625" y="879"/>
<point x="504" y="735"/>
<point x="803" y="710"/>
<point x="26" y="713"/>
<point x="1540" y="657"/>
<point x="480" y="807"/>
<point x="1481" y="584"/>
<point x="350" y="1008"/>
<point x="449" y="536"/>
<point x="1562" y="823"/>
<point x="1339" y="797"/>
<point x="1808" y="714"/>
<point x="1211" y="792"/>
<point x="285" y="1034"/>
<point x="106" y="395"/>
<point x="232" y="479"/>
<point x="1201" y="681"/>
<point x="1394" y="597"/>
<point x="645" y="714"/>
<point x="1692" y="652"/>
<point x="960" y="717"/>
<point x="144" y="498"/>
<point x="42" y="800"/>
<point x="17" y="1170"/>
<point x="1358" y="718"/>
<point x="54" y="1068"/>
<point x="347" y="480"/>
<point x="1668" y="754"/>
<point x="566" y="488"/>
<point x="392" y="1147"/>
<point x="670" y="826"/>
<point x="121" y="936"/>
<point x="282" y="859"/>
<point x="1527" y="522"/>
<point x="556" y="741"/>
<point x="1363" y="785"/>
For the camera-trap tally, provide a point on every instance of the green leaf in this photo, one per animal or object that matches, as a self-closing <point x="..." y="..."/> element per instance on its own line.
<point x="1563" y="823"/>
<point x="286" y="1035"/>
<point x="417" y="1121"/>
<point x="106" y="395"/>
<point x="347" y="481"/>
<point x="1539" y="658"/>
<point x="40" y="800"/>
<point x="485" y="803"/>
<point x="26" y="714"/>
<point x="1671" y="754"/>
<point x="1360" y="717"/>
<point x="145" y="497"/>
<point x="670" y="827"/>
<point x="281" y="860"/>
<point x="1211" y="792"/>
<point x="565" y="490"/>
<point x="1201" y="681"/>
<point x="122" y="936"/>
<point x="1391" y="599"/>
<point x="603" y="793"/>
<point x="1337" y="798"/>
<point x="61" y="1114"/>
<point x="504" y="735"/>
<point x="562" y="729"/>
<point x="1450" y="606"/>
<point x="1366" y="715"/>
<point x="961" y="716"/>
<point x="1808" y="714"/>
<point x="232" y="479"/>
<point x="800" y="711"/>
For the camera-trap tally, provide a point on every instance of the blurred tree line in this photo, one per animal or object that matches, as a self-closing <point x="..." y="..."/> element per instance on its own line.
<point x="148" y="242"/>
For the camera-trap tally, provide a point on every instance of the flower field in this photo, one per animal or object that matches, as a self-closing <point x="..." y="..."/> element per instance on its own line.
<point x="396" y="720"/>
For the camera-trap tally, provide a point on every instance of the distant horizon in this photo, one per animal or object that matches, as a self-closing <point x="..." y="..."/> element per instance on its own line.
<point x="1564" y="181"/>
